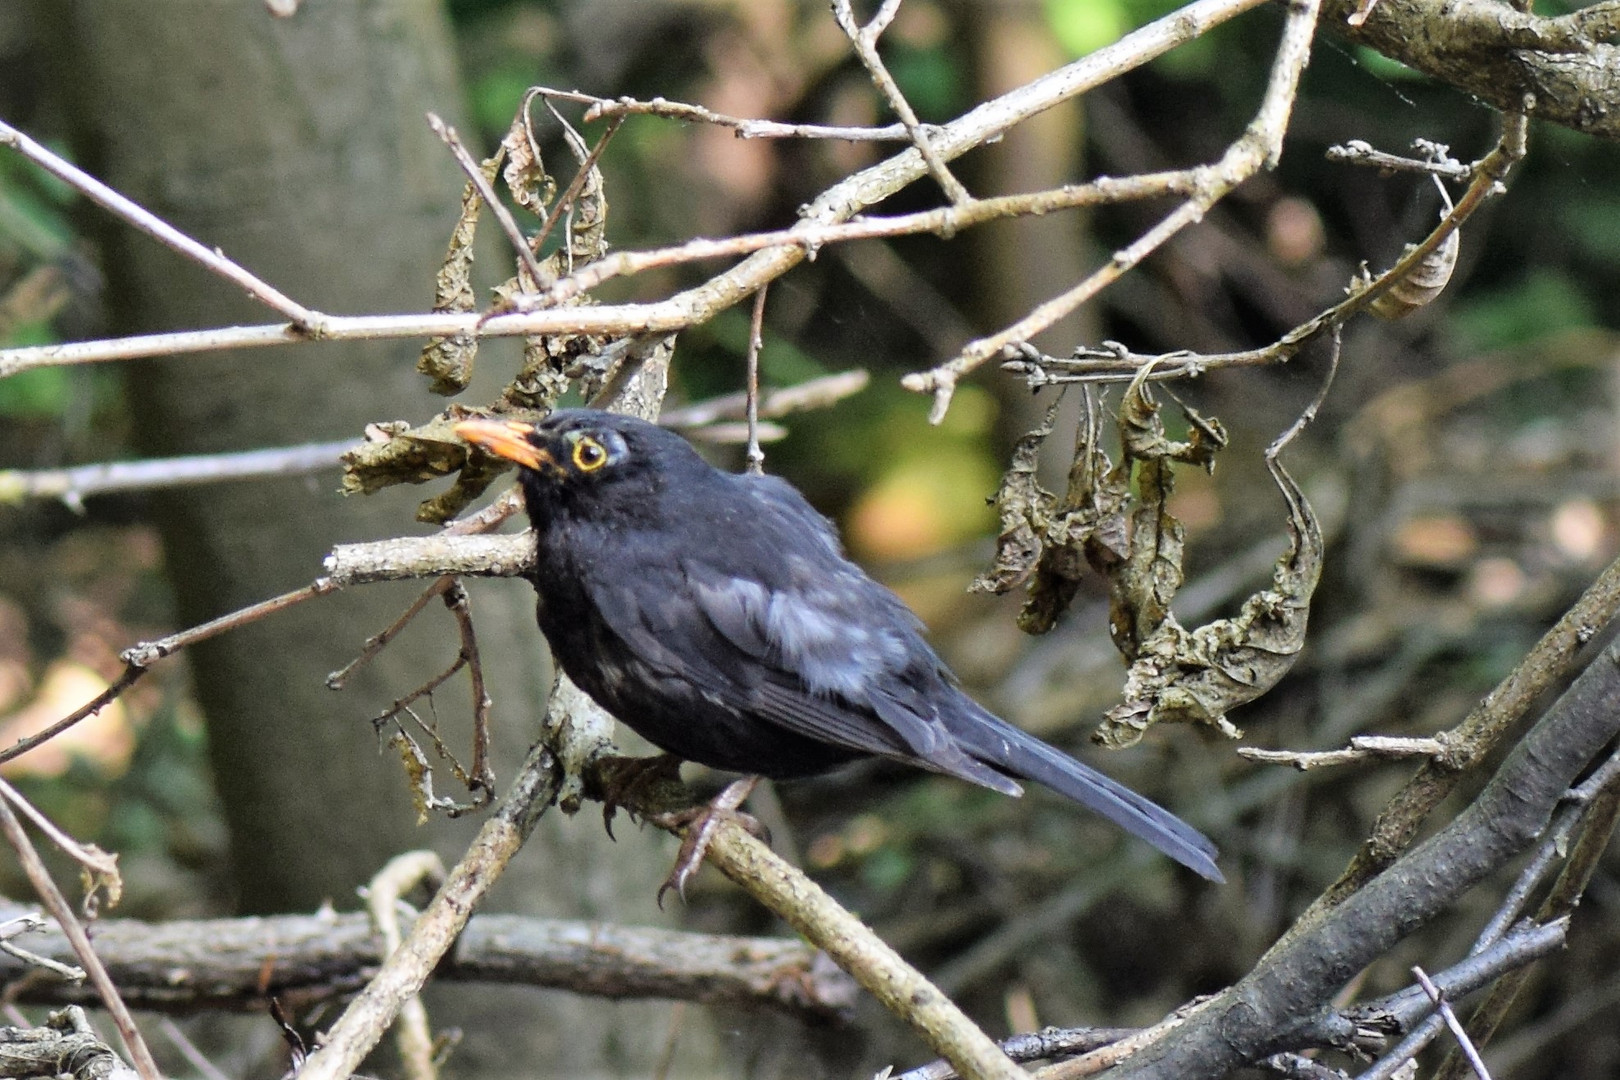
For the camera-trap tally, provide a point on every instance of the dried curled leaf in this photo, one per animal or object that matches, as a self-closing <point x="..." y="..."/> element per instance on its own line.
<point x="525" y="174"/>
<point x="1423" y="282"/>
<point x="585" y="228"/>
<point x="448" y="361"/>
<point x="552" y="361"/>
<point x="397" y="453"/>
<point x="1045" y="543"/>
<point x="1142" y="586"/>
<point x="1090" y="530"/>
<point x="1142" y="430"/>
<point x="98" y="874"/>
<point x="1198" y="676"/>
<point x="1025" y="510"/>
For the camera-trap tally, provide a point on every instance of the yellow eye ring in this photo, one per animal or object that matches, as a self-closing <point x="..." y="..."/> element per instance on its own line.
<point x="589" y="455"/>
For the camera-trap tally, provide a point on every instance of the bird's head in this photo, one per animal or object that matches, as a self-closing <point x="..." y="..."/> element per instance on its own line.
<point x="573" y="452"/>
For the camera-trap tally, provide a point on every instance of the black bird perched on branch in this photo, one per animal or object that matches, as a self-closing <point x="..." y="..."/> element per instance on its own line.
<point x="716" y="614"/>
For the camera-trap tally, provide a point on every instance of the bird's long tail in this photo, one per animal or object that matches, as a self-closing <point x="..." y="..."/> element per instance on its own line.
<point x="996" y="742"/>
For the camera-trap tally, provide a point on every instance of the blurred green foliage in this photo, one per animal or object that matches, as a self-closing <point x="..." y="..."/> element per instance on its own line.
<point x="34" y="232"/>
<point x="41" y="393"/>
<point x="1546" y="300"/>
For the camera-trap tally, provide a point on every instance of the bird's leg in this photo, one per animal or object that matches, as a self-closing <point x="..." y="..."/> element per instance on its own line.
<point x="624" y="778"/>
<point x="699" y="823"/>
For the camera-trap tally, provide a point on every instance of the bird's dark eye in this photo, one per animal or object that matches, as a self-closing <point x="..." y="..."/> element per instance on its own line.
<point x="589" y="455"/>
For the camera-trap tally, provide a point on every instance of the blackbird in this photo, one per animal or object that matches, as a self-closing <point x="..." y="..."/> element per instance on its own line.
<point x="715" y="613"/>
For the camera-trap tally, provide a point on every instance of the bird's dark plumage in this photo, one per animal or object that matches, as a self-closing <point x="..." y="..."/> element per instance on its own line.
<point x="716" y="614"/>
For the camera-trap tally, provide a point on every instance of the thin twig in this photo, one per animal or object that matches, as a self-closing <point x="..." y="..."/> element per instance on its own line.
<point x="506" y="504"/>
<point x="1361" y="748"/>
<point x="756" y="342"/>
<point x="188" y="1050"/>
<point x="864" y="39"/>
<point x="149" y="652"/>
<point x="565" y="201"/>
<point x="817" y="393"/>
<point x="75" y="484"/>
<point x="746" y="128"/>
<point x="129" y="677"/>
<point x="413" y="1037"/>
<point x="1452" y="1022"/>
<point x="1115" y="363"/>
<point x="1259" y="146"/>
<point x="98" y="866"/>
<point x="482" y="777"/>
<point x="942" y="221"/>
<point x="1360" y="152"/>
<point x="68" y="920"/>
<point x="375" y="644"/>
<point x="306" y="321"/>
<point x="139" y="658"/>
<point x="480" y="182"/>
<point x="30" y="923"/>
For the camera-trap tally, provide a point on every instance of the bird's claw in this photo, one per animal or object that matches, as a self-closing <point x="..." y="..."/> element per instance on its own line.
<point x="699" y="823"/>
<point x="623" y="779"/>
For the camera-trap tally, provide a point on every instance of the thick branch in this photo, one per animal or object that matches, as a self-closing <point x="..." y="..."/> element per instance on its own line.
<point x="189" y="965"/>
<point x="1488" y="49"/>
<point x="1260" y="1015"/>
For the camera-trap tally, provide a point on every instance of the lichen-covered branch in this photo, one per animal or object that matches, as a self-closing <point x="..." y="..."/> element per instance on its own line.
<point x="1498" y="54"/>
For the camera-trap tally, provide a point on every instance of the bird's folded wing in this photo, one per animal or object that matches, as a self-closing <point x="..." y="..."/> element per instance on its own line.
<point x="748" y="649"/>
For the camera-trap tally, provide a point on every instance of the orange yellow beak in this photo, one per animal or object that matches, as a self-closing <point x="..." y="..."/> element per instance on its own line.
<point x="508" y="439"/>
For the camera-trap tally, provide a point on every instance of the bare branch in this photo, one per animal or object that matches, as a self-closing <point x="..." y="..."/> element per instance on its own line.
<point x="481" y="184"/>
<point x="1499" y="54"/>
<point x="1254" y="1018"/>
<point x="1362" y="748"/>
<point x="304" y="960"/>
<point x="68" y="920"/>
<point x="756" y="342"/>
<point x="864" y="39"/>
<point x="1115" y="363"/>
<point x="1358" y="152"/>
<point x="1259" y="146"/>
<point x="816" y="393"/>
<point x="75" y="484"/>
<point x="603" y="108"/>
<point x="305" y="321"/>
<point x="837" y="204"/>
<point x="1452" y="1022"/>
<point x="414" y="1038"/>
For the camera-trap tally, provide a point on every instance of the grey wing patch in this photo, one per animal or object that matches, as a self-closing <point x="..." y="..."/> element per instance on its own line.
<point x="806" y="631"/>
